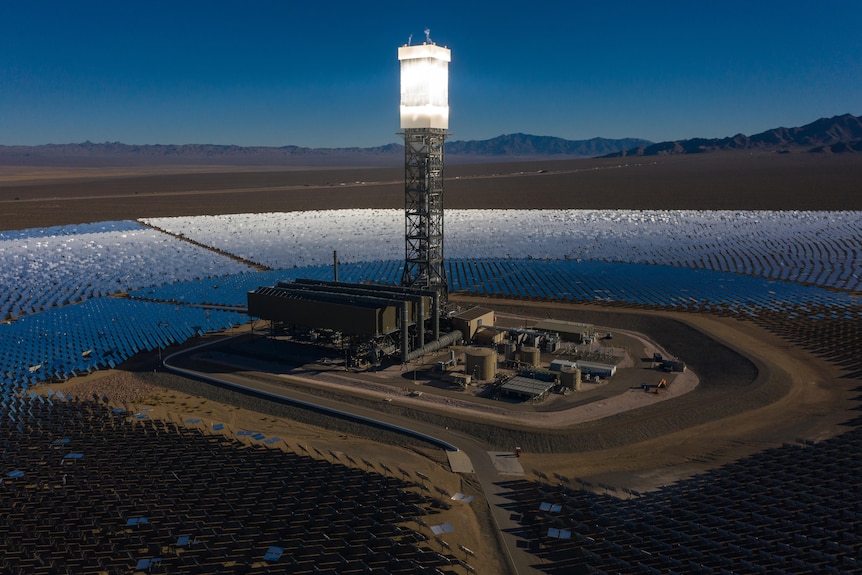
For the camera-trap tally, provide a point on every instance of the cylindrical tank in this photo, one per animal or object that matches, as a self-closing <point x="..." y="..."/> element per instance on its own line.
<point x="570" y="377"/>
<point x="511" y="347"/>
<point x="480" y="362"/>
<point x="530" y="355"/>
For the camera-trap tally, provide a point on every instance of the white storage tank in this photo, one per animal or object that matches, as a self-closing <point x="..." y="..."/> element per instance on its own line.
<point x="570" y="377"/>
<point x="480" y="362"/>
<point x="531" y="355"/>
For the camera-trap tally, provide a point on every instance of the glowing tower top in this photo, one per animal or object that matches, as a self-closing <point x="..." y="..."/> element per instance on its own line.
<point x="424" y="85"/>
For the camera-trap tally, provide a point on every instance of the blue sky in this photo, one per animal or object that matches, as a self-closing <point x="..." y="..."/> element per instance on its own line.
<point x="325" y="74"/>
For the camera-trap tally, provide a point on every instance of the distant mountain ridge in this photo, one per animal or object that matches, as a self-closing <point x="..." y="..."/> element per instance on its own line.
<point x="838" y="134"/>
<point x="527" y="145"/>
<point x="116" y="153"/>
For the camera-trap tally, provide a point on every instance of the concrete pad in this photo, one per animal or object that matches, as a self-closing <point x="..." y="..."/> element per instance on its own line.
<point x="506" y="462"/>
<point x="459" y="462"/>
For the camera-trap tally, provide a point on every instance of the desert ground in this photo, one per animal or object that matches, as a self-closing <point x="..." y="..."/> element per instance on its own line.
<point x="778" y="382"/>
<point x="41" y="197"/>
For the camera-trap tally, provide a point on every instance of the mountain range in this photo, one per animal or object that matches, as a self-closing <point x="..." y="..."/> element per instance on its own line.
<point x="115" y="153"/>
<point x="838" y="134"/>
<point x="542" y="146"/>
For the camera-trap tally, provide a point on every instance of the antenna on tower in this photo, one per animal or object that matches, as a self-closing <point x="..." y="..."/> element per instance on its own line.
<point x="428" y="36"/>
<point x="410" y="39"/>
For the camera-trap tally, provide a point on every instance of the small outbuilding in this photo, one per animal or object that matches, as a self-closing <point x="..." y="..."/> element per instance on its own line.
<point x="469" y="321"/>
<point x="673" y="365"/>
<point x="460" y="378"/>
<point x="488" y="336"/>
<point x="595" y="368"/>
<point x="568" y="330"/>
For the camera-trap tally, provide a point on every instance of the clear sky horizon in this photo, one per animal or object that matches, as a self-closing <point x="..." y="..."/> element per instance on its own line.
<point x="275" y="73"/>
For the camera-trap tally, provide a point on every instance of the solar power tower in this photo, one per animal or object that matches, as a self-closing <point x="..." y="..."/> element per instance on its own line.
<point x="425" y="120"/>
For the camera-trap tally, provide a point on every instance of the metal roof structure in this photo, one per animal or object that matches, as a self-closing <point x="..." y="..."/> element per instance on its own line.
<point x="528" y="387"/>
<point x="472" y="313"/>
<point x="596" y="367"/>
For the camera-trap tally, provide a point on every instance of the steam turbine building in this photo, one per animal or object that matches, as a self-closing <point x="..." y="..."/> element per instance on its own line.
<point x="378" y="317"/>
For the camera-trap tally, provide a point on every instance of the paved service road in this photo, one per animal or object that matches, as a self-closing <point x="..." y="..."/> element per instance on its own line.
<point x="516" y="555"/>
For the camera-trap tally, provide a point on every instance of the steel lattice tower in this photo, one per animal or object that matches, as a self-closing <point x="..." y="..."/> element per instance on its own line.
<point x="424" y="119"/>
<point x="423" y="209"/>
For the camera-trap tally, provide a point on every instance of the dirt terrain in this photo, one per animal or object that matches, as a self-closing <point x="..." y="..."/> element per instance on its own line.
<point x="31" y="197"/>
